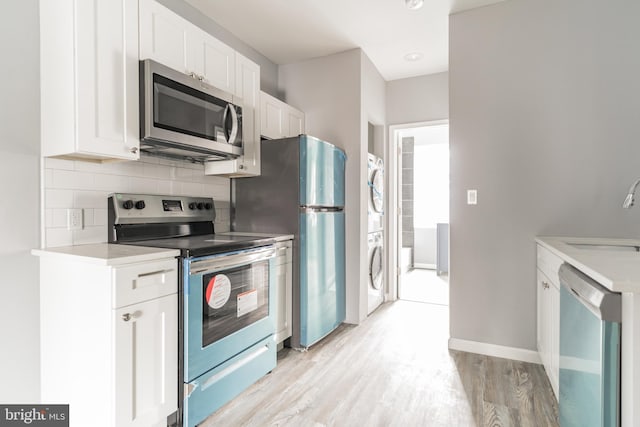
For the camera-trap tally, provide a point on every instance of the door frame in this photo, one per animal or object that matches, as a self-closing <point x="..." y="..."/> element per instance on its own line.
<point x="393" y="174"/>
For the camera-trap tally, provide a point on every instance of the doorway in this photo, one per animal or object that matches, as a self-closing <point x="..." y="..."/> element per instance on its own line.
<point x="422" y="225"/>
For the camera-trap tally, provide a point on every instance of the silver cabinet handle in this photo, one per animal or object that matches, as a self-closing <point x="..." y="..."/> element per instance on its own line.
<point x="545" y="285"/>
<point x="133" y="150"/>
<point x="201" y="78"/>
<point x="192" y="74"/>
<point x="128" y="316"/>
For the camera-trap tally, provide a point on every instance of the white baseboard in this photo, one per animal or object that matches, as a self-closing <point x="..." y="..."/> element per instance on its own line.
<point x="494" y="350"/>
<point x="423" y="265"/>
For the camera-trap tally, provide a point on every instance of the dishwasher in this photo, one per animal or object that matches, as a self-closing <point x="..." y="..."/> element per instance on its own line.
<point x="590" y="326"/>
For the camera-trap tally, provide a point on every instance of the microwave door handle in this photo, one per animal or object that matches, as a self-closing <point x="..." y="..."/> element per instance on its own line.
<point x="234" y="124"/>
<point x="224" y="122"/>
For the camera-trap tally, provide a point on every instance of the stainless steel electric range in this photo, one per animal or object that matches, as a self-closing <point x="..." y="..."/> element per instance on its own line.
<point x="226" y="298"/>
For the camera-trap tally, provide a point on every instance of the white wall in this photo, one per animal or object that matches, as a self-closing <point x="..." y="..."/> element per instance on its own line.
<point x="544" y="124"/>
<point x="328" y="90"/>
<point x="424" y="249"/>
<point x="19" y="214"/>
<point x="86" y="185"/>
<point x="373" y="110"/>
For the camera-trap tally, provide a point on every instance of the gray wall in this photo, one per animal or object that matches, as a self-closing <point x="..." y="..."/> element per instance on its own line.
<point x="418" y="99"/>
<point x="328" y="90"/>
<point x="268" y="70"/>
<point x="406" y="195"/>
<point x="544" y="124"/>
<point x="19" y="217"/>
<point x="340" y="95"/>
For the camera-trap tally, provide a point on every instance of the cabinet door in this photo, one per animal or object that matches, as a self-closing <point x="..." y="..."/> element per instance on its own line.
<point x="548" y="325"/>
<point x="248" y="89"/>
<point x="218" y="63"/>
<point x="543" y="321"/>
<point x="163" y="36"/>
<point x="247" y="93"/>
<point x="284" y="282"/>
<point x="89" y="73"/>
<point x="146" y="362"/>
<point x="554" y="338"/>
<point x="296" y="122"/>
<point x="271" y="110"/>
<point x="106" y="80"/>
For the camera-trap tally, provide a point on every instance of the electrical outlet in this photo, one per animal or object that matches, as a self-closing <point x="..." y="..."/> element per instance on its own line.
<point x="74" y="219"/>
<point x="472" y="197"/>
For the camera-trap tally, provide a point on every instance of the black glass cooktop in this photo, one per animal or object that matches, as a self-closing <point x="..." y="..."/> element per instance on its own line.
<point x="206" y="244"/>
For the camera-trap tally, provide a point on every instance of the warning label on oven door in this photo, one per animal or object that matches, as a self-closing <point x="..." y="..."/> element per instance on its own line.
<point x="247" y="302"/>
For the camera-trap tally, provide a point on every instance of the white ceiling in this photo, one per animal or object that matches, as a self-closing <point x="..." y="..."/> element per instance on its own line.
<point x="289" y="31"/>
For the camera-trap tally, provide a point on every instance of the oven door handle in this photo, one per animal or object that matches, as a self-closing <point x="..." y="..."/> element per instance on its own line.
<point x="230" y="261"/>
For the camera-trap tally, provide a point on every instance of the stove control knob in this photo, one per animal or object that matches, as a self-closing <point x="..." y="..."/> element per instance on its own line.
<point x="127" y="204"/>
<point x="140" y="204"/>
<point x="192" y="205"/>
<point x="207" y="206"/>
<point x="200" y="205"/>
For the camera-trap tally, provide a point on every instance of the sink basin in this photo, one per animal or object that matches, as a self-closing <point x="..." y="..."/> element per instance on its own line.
<point x="601" y="247"/>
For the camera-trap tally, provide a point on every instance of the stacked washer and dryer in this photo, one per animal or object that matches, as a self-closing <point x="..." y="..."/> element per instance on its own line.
<point x="375" y="183"/>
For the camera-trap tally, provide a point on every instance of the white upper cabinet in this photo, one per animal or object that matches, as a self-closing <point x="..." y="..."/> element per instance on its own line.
<point x="89" y="79"/>
<point x="279" y="119"/>
<point x="247" y="91"/>
<point x="175" y="42"/>
<point x="295" y="122"/>
<point x="163" y="37"/>
<point x="215" y="61"/>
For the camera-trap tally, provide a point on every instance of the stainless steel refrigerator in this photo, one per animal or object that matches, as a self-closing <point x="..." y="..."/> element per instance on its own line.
<point x="301" y="192"/>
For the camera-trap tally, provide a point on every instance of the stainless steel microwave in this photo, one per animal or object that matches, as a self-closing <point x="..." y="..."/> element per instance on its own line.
<point x="184" y="117"/>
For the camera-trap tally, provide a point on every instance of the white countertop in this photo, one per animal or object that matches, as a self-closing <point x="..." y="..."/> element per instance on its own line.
<point x="278" y="237"/>
<point x="108" y="253"/>
<point x="618" y="271"/>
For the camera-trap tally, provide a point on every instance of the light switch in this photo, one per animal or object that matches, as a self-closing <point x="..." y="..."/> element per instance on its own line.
<point x="472" y="197"/>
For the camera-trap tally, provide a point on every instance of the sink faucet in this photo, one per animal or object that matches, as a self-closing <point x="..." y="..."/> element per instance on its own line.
<point x="628" y="201"/>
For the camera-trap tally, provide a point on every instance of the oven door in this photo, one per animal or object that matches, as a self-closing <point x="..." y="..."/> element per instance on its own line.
<point x="229" y="305"/>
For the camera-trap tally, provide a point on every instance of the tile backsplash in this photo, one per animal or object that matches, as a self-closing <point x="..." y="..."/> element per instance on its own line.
<point x="86" y="185"/>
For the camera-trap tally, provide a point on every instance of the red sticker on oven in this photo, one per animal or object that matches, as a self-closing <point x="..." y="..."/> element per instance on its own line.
<point x="218" y="291"/>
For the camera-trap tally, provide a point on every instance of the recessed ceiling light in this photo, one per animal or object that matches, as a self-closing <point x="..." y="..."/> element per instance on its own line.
<point x="413" y="56"/>
<point x="414" y="4"/>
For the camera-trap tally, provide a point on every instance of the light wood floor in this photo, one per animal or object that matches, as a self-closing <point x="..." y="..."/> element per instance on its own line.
<point x="393" y="370"/>
<point x="423" y="285"/>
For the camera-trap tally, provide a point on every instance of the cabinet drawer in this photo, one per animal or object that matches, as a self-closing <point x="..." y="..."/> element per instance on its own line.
<point x="141" y="282"/>
<point x="549" y="264"/>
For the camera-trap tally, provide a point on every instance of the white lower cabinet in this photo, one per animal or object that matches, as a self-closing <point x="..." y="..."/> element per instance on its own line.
<point x="146" y="359"/>
<point x="284" y="283"/>
<point x="548" y="314"/>
<point x="109" y="339"/>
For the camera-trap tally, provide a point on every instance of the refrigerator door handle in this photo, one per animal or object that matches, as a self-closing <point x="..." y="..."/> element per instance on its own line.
<point x="309" y="209"/>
